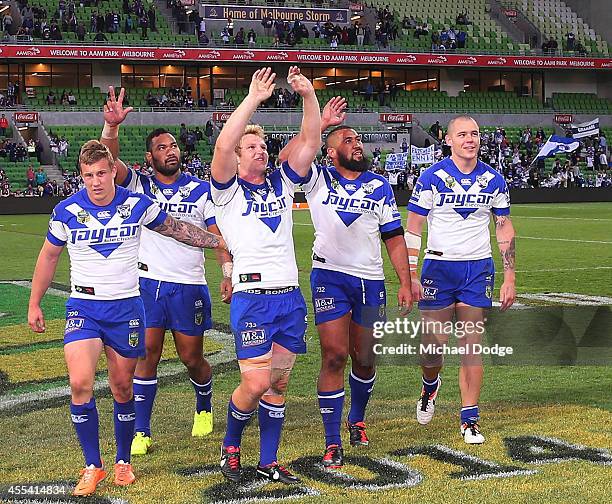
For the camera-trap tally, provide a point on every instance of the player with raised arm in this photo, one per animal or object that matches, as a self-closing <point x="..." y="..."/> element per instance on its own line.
<point x="352" y="209"/>
<point x="267" y="311"/>
<point x="172" y="279"/>
<point x="456" y="197"/>
<point x="101" y="227"/>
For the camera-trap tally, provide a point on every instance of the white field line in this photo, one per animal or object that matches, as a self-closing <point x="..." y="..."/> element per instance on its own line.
<point x="557" y="218"/>
<point x="549" y="270"/>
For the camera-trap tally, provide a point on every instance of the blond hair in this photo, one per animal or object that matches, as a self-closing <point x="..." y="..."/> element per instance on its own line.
<point x="93" y="151"/>
<point x="251" y="129"/>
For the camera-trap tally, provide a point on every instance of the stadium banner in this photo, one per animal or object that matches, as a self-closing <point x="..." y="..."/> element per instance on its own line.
<point x="397" y="161"/>
<point x="259" y="13"/>
<point x="557" y="145"/>
<point x="585" y="129"/>
<point x="295" y="56"/>
<point x="421" y="155"/>
<point x="379" y="136"/>
<point x="25" y="117"/>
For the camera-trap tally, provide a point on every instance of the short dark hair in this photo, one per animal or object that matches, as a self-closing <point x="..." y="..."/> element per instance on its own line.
<point x="154" y="134"/>
<point x="335" y="130"/>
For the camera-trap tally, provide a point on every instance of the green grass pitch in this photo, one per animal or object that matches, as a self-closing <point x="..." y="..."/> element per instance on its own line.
<point x="528" y="411"/>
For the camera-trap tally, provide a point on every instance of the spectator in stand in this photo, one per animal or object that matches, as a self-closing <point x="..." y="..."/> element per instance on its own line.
<point x="571" y="41"/>
<point x="462" y="19"/>
<point x="239" y="38"/>
<point x="152" y="18"/>
<point x="63" y="147"/>
<point x="203" y="40"/>
<point x="4" y="124"/>
<point x="268" y="24"/>
<point x="251" y="37"/>
<point x="100" y="37"/>
<point x="41" y="177"/>
<point x="225" y="36"/>
<point x="30" y="177"/>
<point x="230" y="26"/>
<point x="144" y="25"/>
<point x="436" y="130"/>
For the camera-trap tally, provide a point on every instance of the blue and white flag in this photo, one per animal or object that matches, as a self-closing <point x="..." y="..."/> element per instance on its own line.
<point x="557" y="145"/>
<point x="396" y="161"/>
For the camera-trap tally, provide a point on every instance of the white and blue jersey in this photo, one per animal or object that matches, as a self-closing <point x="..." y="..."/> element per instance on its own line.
<point x="103" y="243"/>
<point x="349" y="217"/>
<point x="187" y="199"/>
<point x="172" y="274"/>
<point x="458" y="207"/>
<point x="458" y="266"/>
<point x="257" y="224"/>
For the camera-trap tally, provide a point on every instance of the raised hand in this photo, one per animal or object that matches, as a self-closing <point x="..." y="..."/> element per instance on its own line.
<point x="298" y="82"/>
<point x="114" y="113"/>
<point x="262" y="84"/>
<point x="333" y="112"/>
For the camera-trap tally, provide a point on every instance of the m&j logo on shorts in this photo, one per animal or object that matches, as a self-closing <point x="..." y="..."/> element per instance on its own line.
<point x="430" y="292"/>
<point x="324" y="304"/>
<point x="253" y="337"/>
<point x="72" y="324"/>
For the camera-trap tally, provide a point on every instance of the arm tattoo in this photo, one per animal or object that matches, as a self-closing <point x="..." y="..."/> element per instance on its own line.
<point x="508" y="256"/>
<point x="188" y="233"/>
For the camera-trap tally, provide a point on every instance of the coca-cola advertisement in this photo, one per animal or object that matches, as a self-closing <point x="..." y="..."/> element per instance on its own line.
<point x="25" y="117"/>
<point x="220" y="116"/>
<point x="395" y="118"/>
<point x="564" y="118"/>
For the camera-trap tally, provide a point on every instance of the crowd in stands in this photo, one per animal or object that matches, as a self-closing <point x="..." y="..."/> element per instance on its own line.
<point x="66" y="98"/>
<point x="388" y="29"/>
<point x="9" y="98"/>
<point x="12" y="151"/>
<point x="40" y="24"/>
<point x="174" y="97"/>
<point x="551" y="46"/>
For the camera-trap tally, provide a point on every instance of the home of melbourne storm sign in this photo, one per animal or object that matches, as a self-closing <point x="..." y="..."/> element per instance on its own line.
<point x="258" y="13"/>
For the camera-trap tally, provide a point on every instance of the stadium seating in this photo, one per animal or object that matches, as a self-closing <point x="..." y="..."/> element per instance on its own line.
<point x="132" y="141"/>
<point x="86" y="97"/>
<point x="581" y="102"/>
<point x="555" y="20"/>
<point x="484" y="33"/>
<point x="163" y="35"/>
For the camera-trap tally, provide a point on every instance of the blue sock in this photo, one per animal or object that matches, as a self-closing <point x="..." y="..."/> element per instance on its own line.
<point x="470" y="414"/>
<point x="361" y="390"/>
<point x="203" y="395"/>
<point x="271" y="419"/>
<point x="236" y="422"/>
<point x="330" y="405"/>
<point x="144" y="397"/>
<point x="85" y="421"/>
<point x="431" y="386"/>
<point x="124" y="415"/>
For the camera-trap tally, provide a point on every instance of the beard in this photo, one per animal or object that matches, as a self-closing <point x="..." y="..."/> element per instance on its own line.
<point x="354" y="165"/>
<point x="167" y="169"/>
